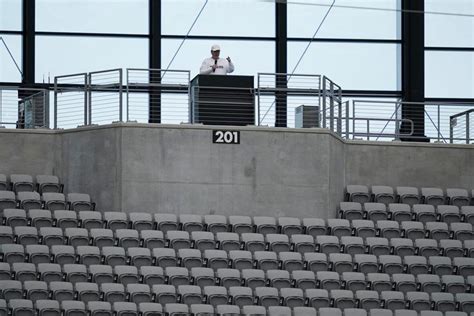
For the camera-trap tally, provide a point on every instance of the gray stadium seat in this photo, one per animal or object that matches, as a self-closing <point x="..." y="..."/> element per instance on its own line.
<point x="191" y="223"/>
<point x="452" y="248"/>
<point x="150" y="309"/>
<point x="177" y="276"/>
<point x="441" y="265"/>
<point x="87" y="292"/>
<point x="228" y="241"/>
<point x="393" y="300"/>
<point x="100" y="308"/>
<point x="241" y="224"/>
<point x="216" y="295"/>
<point x="101" y="274"/>
<point x="77" y="236"/>
<point x="241" y="259"/>
<point x="424" y="213"/>
<point x="278" y="279"/>
<point x="253" y="241"/>
<point x="366" y="263"/>
<point x="205" y="276"/>
<point x="125" y="309"/>
<point x="54" y="201"/>
<point x="228" y="277"/>
<point x="419" y="301"/>
<point x="317" y="298"/>
<point x="303" y="279"/>
<point x="427" y="247"/>
<point x="279" y="311"/>
<point x="88" y="255"/>
<point x="343" y="299"/>
<point x="350" y="210"/>
<point x="429" y="283"/>
<point x="357" y="193"/>
<point x="216" y="259"/>
<point x="166" y="222"/>
<point x="277" y="242"/>
<point x="363" y="228"/>
<point x="152" y="239"/>
<point x="203" y="240"/>
<point x="368" y="299"/>
<point x="230" y="310"/>
<point x="141" y="221"/>
<point x="379" y="281"/>
<point x="75" y="273"/>
<point x="376" y="211"/>
<point x="26" y="235"/>
<point x="114" y="256"/>
<point x="113" y="292"/>
<point x="152" y="275"/>
<point x="266" y="260"/>
<point x="241" y="296"/>
<point x="102" y="237"/>
<point x="50" y="272"/>
<point x="90" y="219"/>
<point x="265" y="225"/>
<point x="413" y="230"/>
<point x="48" y="307"/>
<point x="448" y="213"/>
<point x="314" y="226"/>
<point x="328" y="280"/>
<point x="400" y="212"/>
<point x="127" y="238"/>
<point x="416" y="265"/>
<point x="202" y="309"/>
<point x="129" y="275"/>
<point x="443" y="302"/>
<point x="353" y="245"/>
<point x="339" y="227"/>
<point x="303" y="243"/>
<point x="14" y="217"/>
<point x="216" y="223"/>
<point x="178" y="239"/>
<point x="29" y="200"/>
<point x="20" y="307"/>
<point x="139" y="257"/>
<point x="48" y="183"/>
<point x="189" y="294"/>
<point x="316" y="261"/>
<point x="80" y="202"/>
<point x="383" y="194"/>
<point x="408" y="195"/>
<point x="21" y="182"/>
<point x="40" y="218"/>
<point x="377" y="245"/>
<point x="341" y="262"/>
<point x="290" y="225"/>
<point x="433" y="196"/>
<point x="328" y="244"/>
<point x="267" y="296"/>
<point x="73" y="308"/>
<point x="61" y="291"/>
<point x="116" y="220"/>
<point x="353" y="281"/>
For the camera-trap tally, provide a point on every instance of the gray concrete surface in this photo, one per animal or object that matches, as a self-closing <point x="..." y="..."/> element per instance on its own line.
<point x="276" y="172"/>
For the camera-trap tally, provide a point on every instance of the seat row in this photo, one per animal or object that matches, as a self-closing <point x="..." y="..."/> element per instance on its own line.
<point x="47" y="200"/>
<point x="199" y="276"/>
<point x="240" y="260"/>
<point x="394" y="239"/>
<point x="400" y="254"/>
<point x="408" y="195"/>
<point x="24" y="182"/>
<point x="77" y="308"/>
<point x="113" y="221"/>
<point x="238" y="295"/>
<point x="405" y="212"/>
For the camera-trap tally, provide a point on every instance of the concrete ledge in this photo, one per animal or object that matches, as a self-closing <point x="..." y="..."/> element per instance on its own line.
<point x="274" y="171"/>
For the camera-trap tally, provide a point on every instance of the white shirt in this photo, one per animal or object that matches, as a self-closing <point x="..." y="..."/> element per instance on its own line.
<point x="223" y="67"/>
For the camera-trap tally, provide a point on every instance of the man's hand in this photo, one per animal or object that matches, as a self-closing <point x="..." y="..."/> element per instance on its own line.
<point x="214" y="67"/>
<point x="228" y="59"/>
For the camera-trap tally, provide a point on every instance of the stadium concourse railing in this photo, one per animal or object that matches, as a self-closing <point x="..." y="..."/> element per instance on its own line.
<point x="24" y="108"/>
<point x="385" y="120"/>
<point x="308" y="100"/>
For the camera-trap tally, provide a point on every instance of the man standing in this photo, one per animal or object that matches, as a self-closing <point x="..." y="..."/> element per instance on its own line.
<point x="215" y="65"/>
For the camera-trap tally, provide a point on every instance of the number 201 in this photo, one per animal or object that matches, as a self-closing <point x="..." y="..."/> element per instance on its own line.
<point x="227" y="137"/>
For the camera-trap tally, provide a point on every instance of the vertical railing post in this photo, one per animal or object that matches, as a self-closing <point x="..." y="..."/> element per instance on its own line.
<point x="324" y="102"/>
<point x="128" y="97"/>
<point x="468" y="127"/>
<point x="55" y="110"/>
<point x="439" y="122"/>
<point x="120" y="95"/>
<point x="88" y="99"/>
<point x="331" y="106"/>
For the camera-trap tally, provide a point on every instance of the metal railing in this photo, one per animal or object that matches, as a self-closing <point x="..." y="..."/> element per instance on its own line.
<point x="461" y="127"/>
<point x="158" y="95"/>
<point x="70" y="100"/>
<point x="287" y="92"/>
<point x="395" y="120"/>
<point x="105" y="95"/>
<point x="24" y="108"/>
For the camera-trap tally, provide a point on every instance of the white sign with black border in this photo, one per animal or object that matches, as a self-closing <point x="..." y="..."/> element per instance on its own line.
<point x="226" y="137"/>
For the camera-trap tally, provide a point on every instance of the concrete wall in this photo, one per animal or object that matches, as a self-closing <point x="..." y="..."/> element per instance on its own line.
<point x="276" y="172"/>
<point x="410" y="164"/>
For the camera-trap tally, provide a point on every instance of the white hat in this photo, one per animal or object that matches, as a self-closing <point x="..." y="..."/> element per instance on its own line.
<point x="215" y="47"/>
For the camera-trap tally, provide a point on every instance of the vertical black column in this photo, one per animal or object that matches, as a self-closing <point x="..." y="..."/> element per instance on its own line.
<point x="155" y="59"/>
<point x="28" y="60"/>
<point x="413" y="67"/>
<point x="281" y="63"/>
